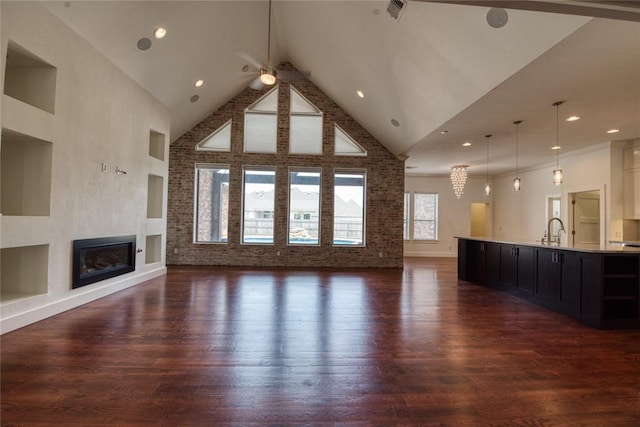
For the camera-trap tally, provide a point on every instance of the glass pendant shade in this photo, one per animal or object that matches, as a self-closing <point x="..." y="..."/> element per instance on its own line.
<point x="516" y="184"/>
<point x="487" y="189"/>
<point x="557" y="176"/>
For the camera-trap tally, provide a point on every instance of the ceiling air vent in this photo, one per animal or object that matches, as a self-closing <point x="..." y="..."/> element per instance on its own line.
<point x="396" y="7"/>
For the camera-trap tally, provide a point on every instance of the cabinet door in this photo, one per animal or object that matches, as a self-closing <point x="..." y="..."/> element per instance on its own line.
<point x="548" y="274"/>
<point x="464" y="263"/>
<point x="570" y="284"/>
<point x="493" y="265"/>
<point x="479" y="262"/>
<point x="524" y="256"/>
<point x="632" y="194"/>
<point x="508" y="267"/>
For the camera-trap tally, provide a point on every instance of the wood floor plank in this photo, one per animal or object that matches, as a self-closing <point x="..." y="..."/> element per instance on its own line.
<point x="282" y="347"/>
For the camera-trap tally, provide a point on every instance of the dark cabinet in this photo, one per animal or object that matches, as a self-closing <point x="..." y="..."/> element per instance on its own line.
<point x="548" y="274"/>
<point x="599" y="288"/>
<point x="516" y="267"/>
<point x="557" y="280"/>
<point x="508" y="266"/>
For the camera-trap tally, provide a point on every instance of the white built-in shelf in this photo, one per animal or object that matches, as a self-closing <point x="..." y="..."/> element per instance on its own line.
<point x="154" y="196"/>
<point x="23" y="272"/>
<point x="25" y="175"/>
<point x="30" y="79"/>
<point x="153" y="249"/>
<point x="156" y="145"/>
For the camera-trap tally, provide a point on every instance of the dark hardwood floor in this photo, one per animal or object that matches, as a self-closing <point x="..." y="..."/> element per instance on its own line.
<point x="231" y="346"/>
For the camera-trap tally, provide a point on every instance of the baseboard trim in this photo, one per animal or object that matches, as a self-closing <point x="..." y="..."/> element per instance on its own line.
<point x="430" y="254"/>
<point x="44" y="311"/>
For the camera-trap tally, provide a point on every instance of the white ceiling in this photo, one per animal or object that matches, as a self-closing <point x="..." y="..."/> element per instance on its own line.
<point x="440" y="67"/>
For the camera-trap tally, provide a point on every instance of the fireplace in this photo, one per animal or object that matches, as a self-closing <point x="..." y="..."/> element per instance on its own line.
<point x="99" y="259"/>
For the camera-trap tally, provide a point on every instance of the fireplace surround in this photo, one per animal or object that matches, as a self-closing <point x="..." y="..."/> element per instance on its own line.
<point x="102" y="258"/>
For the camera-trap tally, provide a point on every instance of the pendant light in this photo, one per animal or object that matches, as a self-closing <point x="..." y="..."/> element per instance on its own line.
<point x="267" y="74"/>
<point x="557" y="173"/>
<point x="458" y="179"/>
<point x="487" y="185"/>
<point x="516" y="180"/>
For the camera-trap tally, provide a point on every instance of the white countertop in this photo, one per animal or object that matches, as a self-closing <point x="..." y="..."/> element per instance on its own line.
<point x="611" y="248"/>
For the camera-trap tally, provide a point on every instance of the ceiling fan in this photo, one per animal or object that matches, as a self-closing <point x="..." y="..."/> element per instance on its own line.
<point x="269" y="74"/>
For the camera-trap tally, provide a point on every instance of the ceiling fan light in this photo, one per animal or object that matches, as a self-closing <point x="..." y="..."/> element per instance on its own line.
<point x="267" y="76"/>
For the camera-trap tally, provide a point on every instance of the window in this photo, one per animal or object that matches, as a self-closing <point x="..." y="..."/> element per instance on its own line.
<point x="349" y="208"/>
<point x="344" y="145"/>
<point x="261" y="124"/>
<point x="304" y="206"/>
<point x="405" y="223"/>
<point x="218" y="140"/>
<point x="305" y="126"/>
<point x="425" y="216"/>
<point x="212" y="203"/>
<point x="258" y="205"/>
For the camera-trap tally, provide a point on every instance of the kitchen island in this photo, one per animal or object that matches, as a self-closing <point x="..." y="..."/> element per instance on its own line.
<point x="597" y="287"/>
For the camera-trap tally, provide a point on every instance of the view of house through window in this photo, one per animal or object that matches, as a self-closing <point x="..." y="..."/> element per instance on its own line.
<point x="212" y="203"/>
<point x="348" y="207"/>
<point x="425" y="216"/>
<point x="258" y="205"/>
<point x="304" y="206"/>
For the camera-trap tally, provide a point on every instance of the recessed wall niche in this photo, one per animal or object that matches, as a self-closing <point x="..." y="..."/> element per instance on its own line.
<point x="156" y="145"/>
<point x="25" y="175"/>
<point x="23" y="271"/>
<point x="30" y="79"/>
<point x="154" y="196"/>
<point x="153" y="249"/>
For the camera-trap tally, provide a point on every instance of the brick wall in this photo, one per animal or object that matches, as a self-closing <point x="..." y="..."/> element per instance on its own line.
<point x="384" y="191"/>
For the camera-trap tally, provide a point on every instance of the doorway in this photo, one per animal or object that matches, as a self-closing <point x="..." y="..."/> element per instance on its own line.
<point x="480" y="220"/>
<point x="584" y="219"/>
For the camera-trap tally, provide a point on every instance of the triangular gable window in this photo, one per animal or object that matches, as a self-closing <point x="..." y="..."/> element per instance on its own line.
<point x="305" y="126"/>
<point x="219" y="140"/>
<point x="347" y="146"/>
<point x="261" y="123"/>
<point x="300" y="105"/>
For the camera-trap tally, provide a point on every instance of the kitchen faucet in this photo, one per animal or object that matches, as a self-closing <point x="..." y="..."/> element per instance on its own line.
<point x="556" y="238"/>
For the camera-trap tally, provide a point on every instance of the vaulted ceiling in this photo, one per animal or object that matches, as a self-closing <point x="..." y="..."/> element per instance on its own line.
<point x="441" y="72"/>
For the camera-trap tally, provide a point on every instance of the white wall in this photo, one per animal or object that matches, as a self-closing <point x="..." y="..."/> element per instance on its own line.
<point x="454" y="215"/>
<point x="101" y="116"/>
<point x="521" y="216"/>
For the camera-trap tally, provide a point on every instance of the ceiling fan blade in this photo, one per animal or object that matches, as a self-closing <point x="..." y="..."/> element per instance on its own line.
<point x="256" y="84"/>
<point x="287" y="76"/>
<point x="247" y="58"/>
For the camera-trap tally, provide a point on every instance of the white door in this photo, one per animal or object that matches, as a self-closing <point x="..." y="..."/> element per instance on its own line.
<point x="585" y="208"/>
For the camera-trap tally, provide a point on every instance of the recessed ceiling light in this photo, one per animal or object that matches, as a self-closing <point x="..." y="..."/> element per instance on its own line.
<point x="160" y="33"/>
<point x="198" y="83"/>
<point x="466" y="144"/>
<point x="360" y="93"/>
<point x="573" y="118"/>
<point x="144" y="43"/>
<point x="245" y="68"/>
<point x="443" y="132"/>
<point x="557" y="147"/>
<point x="395" y="123"/>
<point x="613" y="131"/>
<point x="194" y="98"/>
